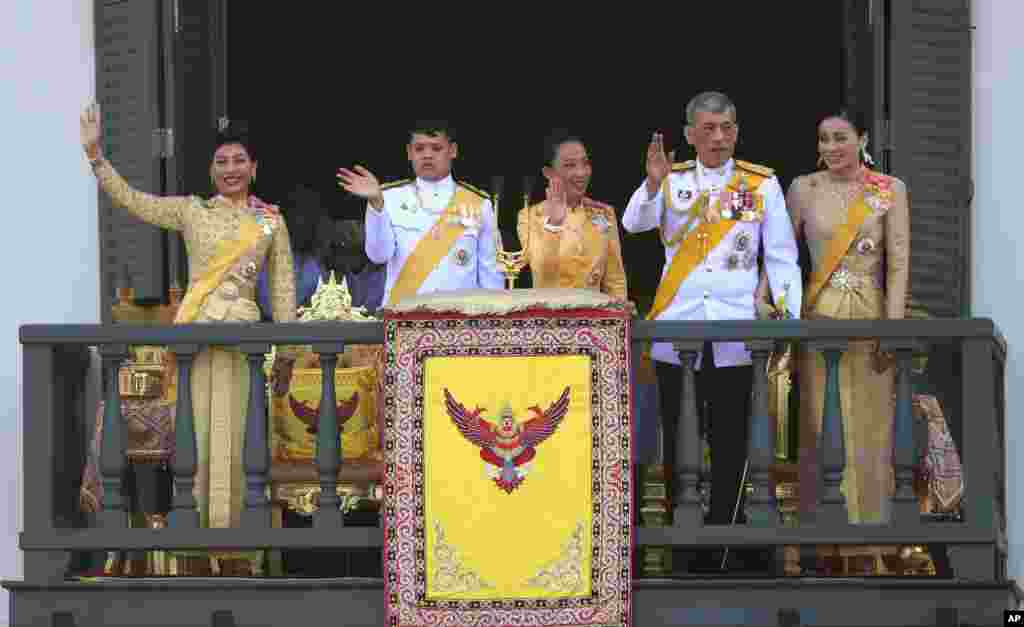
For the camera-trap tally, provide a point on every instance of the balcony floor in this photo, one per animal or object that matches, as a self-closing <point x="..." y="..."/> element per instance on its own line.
<point x="358" y="602"/>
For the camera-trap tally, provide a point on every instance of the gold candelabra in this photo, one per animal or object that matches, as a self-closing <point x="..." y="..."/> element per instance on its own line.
<point x="511" y="262"/>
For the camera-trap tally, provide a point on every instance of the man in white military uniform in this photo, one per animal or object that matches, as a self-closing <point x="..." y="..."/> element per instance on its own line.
<point x="715" y="214"/>
<point x="432" y="232"/>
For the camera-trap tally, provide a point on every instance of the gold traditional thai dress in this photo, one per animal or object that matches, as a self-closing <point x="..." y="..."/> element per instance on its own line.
<point x="227" y="246"/>
<point x="586" y="253"/>
<point x="859" y="257"/>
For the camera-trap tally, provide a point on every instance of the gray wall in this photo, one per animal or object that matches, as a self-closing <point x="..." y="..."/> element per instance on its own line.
<point x="998" y="264"/>
<point x="49" y="246"/>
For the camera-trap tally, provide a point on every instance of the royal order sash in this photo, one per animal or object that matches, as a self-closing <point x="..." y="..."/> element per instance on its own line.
<point x="228" y="254"/>
<point x="429" y="251"/>
<point x="838" y="246"/>
<point x="689" y="256"/>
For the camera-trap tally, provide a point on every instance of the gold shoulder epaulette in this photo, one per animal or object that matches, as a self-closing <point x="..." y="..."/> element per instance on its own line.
<point x="684" y="166"/>
<point x="395" y="184"/>
<point x="763" y="170"/>
<point x="476" y="190"/>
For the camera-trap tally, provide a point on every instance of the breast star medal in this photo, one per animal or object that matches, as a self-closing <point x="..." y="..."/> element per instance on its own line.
<point x="266" y="222"/>
<point x="462" y="257"/>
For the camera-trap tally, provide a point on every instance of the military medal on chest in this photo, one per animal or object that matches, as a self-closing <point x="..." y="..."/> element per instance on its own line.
<point x="266" y="221"/>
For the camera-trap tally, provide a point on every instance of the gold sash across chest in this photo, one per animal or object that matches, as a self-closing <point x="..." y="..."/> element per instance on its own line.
<point x="430" y="250"/>
<point x="837" y="249"/>
<point x="228" y="253"/>
<point x="689" y="255"/>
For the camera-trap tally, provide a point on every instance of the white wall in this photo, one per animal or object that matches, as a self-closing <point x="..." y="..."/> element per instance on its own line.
<point x="49" y="249"/>
<point x="998" y="266"/>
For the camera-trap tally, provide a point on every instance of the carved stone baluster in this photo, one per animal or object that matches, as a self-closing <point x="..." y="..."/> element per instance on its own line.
<point x="328" y="439"/>
<point x="256" y="454"/>
<point x="906" y="507"/>
<point x="113" y="510"/>
<point x="832" y="444"/>
<point x="687" y="511"/>
<point x="184" y="513"/>
<point x="761" y="448"/>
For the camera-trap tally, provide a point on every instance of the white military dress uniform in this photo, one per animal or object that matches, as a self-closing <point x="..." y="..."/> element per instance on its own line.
<point x="721" y="287"/>
<point x="411" y="209"/>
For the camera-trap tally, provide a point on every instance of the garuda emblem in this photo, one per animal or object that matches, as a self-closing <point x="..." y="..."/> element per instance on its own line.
<point x="311" y="415"/>
<point x="508" y="446"/>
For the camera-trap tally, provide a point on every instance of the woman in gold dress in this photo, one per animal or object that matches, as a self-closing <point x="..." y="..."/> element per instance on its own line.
<point x="571" y="240"/>
<point x="856" y="224"/>
<point x="229" y="238"/>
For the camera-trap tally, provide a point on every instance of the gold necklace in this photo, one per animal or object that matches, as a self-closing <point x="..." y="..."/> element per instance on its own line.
<point x="850" y="192"/>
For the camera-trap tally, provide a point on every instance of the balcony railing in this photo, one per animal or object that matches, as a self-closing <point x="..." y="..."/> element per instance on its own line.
<point x="56" y="358"/>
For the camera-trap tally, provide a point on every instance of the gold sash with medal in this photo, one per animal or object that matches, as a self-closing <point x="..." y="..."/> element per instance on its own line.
<point x="838" y="247"/>
<point x="229" y="251"/>
<point x="709" y="234"/>
<point x="435" y="245"/>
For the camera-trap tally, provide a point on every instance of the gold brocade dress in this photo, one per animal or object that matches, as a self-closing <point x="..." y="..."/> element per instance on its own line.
<point x="870" y="282"/>
<point x="227" y="246"/>
<point x="585" y="254"/>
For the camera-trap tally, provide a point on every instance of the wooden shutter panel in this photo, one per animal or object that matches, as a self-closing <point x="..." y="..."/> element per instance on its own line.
<point x="128" y="89"/>
<point x="930" y="127"/>
<point x="198" y="100"/>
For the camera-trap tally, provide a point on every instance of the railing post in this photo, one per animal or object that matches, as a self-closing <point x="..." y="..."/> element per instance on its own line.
<point x="39" y="397"/>
<point x="256" y="452"/>
<point x="328" y="439"/>
<point x="687" y="512"/>
<point x="906" y="507"/>
<point x="113" y="512"/>
<point x="761" y="447"/>
<point x="831" y="441"/>
<point x="184" y="514"/>
<point x="979" y="463"/>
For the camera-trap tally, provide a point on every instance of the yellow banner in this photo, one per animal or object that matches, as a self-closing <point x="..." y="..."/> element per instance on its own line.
<point x="430" y="250"/>
<point x="508" y="495"/>
<point x="294" y="416"/>
<point x="838" y="246"/>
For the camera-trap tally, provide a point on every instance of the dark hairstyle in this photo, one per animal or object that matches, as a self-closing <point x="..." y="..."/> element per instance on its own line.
<point x="555" y="140"/>
<point x="236" y="132"/>
<point x="433" y="128"/>
<point x="851" y="116"/>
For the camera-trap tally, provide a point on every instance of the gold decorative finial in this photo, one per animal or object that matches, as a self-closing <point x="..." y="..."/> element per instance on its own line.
<point x="511" y="263"/>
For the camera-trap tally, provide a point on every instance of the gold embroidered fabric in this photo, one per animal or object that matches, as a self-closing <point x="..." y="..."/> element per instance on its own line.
<point x="874" y="283"/>
<point x="587" y="252"/>
<point x="564" y="575"/>
<point x="203" y="225"/>
<point x="220" y="380"/>
<point x="870" y="283"/>
<point x="478" y="302"/>
<point x="449" y="573"/>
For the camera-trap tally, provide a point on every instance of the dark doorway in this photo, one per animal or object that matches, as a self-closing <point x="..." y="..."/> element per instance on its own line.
<point x="323" y="93"/>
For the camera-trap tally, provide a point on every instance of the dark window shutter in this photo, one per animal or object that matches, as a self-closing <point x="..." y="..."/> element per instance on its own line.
<point x="198" y="99"/>
<point x="930" y="126"/>
<point x="128" y="91"/>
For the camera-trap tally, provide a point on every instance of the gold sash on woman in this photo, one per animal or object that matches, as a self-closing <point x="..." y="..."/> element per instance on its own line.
<point x="838" y="247"/>
<point x="228" y="254"/>
<point x="429" y="251"/>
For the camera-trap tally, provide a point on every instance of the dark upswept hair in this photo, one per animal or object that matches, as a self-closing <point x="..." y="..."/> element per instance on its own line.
<point x="236" y="132"/>
<point x="851" y="115"/>
<point x="555" y="140"/>
<point x="433" y="128"/>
